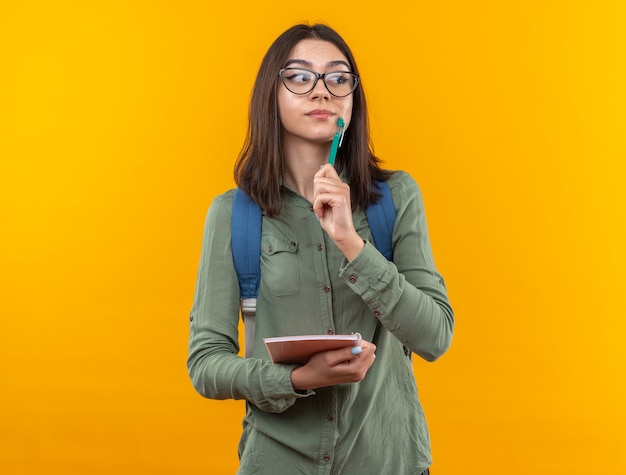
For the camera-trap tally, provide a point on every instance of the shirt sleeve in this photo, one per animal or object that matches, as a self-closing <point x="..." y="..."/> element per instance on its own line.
<point x="215" y="369"/>
<point x="407" y="295"/>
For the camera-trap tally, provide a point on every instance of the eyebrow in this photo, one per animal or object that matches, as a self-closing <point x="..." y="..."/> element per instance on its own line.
<point x="309" y="64"/>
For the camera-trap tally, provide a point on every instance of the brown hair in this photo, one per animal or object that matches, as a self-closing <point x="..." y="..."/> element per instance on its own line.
<point x="259" y="167"/>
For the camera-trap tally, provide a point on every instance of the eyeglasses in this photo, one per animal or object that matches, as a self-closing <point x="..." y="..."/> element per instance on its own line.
<point x="302" y="81"/>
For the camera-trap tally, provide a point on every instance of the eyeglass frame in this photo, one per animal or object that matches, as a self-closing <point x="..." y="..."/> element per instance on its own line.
<point x="318" y="76"/>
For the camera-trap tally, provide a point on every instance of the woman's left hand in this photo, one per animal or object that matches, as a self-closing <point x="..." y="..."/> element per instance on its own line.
<point x="333" y="208"/>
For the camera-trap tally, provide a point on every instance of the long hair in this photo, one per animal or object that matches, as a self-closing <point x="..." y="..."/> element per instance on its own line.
<point x="259" y="166"/>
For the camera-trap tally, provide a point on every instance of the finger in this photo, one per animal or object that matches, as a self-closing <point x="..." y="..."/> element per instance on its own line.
<point x="344" y="356"/>
<point x="327" y="170"/>
<point x="368" y="345"/>
<point x="347" y="354"/>
<point x="319" y="204"/>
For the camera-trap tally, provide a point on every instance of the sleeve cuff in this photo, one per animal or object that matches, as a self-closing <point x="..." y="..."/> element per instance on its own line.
<point x="367" y="271"/>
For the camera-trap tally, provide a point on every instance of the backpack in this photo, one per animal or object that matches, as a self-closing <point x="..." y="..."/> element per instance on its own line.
<point x="246" y="246"/>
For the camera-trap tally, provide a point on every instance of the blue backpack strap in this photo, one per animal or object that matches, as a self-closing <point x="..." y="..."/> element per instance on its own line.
<point x="246" y="243"/>
<point x="381" y="217"/>
<point x="246" y="248"/>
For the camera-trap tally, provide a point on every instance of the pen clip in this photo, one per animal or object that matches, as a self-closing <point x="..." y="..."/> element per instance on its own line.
<point x="341" y="131"/>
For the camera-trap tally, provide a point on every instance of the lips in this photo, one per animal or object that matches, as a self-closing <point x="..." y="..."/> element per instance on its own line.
<point x="320" y="114"/>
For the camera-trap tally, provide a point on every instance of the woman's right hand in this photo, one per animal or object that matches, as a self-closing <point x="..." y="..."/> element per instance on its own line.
<point x="334" y="367"/>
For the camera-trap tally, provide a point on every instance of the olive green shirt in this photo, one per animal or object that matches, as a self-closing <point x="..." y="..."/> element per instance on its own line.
<point x="376" y="426"/>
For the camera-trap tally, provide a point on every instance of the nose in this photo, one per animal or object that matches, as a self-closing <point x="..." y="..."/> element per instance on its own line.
<point x="320" y="91"/>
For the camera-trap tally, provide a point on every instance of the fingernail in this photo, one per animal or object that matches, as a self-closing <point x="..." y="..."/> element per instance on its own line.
<point x="356" y="350"/>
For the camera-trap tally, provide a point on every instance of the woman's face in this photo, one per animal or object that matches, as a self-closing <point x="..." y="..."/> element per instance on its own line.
<point x="312" y="117"/>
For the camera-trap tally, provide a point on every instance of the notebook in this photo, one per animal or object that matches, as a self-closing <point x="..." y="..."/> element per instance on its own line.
<point x="299" y="349"/>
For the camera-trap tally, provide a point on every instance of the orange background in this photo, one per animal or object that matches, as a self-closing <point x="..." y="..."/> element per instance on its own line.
<point x="119" y="122"/>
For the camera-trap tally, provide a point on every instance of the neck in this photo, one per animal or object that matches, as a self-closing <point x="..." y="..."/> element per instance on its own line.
<point x="301" y="163"/>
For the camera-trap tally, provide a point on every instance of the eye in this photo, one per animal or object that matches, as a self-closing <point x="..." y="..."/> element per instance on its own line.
<point x="298" y="76"/>
<point x="339" y="79"/>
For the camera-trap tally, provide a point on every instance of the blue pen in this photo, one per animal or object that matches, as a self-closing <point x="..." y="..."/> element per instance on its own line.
<point x="337" y="139"/>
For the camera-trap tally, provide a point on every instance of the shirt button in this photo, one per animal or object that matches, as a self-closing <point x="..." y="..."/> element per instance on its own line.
<point x="320" y="247"/>
<point x="311" y="208"/>
<point x="326" y="458"/>
<point x="191" y="318"/>
<point x="377" y="312"/>
<point x="270" y="249"/>
<point x="330" y="331"/>
<point x="330" y="417"/>
<point x="352" y="279"/>
<point x="326" y="288"/>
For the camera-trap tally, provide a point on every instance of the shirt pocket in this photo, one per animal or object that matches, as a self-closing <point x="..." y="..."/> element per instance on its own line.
<point x="279" y="264"/>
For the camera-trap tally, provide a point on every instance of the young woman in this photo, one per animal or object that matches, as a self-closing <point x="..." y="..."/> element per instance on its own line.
<point x="339" y="413"/>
